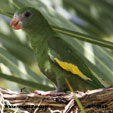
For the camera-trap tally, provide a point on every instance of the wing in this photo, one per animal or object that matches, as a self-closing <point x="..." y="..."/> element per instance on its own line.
<point x="67" y="58"/>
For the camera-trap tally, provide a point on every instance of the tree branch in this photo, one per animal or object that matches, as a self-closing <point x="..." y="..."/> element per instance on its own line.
<point x="94" y="101"/>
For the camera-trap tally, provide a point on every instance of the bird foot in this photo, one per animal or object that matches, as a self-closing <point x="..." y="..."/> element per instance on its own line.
<point x="49" y="93"/>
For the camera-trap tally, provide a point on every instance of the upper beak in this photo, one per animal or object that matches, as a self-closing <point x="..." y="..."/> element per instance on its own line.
<point x="16" y="23"/>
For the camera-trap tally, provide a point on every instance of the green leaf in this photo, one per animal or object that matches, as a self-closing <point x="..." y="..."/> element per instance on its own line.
<point x="7" y="10"/>
<point x="19" y="50"/>
<point x="97" y="14"/>
<point x="15" y="66"/>
<point x="26" y="82"/>
<point x="99" y="23"/>
<point x="84" y="37"/>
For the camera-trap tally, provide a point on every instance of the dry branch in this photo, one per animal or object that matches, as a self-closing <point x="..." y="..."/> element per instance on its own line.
<point x="94" y="101"/>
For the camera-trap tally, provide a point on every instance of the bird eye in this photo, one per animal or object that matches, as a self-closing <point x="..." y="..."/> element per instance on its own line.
<point x="27" y="14"/>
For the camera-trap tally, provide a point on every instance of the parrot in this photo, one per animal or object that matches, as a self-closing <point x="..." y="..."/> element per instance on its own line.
<point x="56" y="58"/>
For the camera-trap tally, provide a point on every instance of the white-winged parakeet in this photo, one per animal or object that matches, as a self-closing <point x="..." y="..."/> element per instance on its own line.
<point x="56" y="58"/>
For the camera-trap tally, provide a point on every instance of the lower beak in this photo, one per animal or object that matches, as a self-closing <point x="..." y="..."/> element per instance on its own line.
<point x="16" y="23"/>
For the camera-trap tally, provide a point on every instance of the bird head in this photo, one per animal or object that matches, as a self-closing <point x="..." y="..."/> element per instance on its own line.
<point x="32" y="22"/>
<point x="26" y="18"/>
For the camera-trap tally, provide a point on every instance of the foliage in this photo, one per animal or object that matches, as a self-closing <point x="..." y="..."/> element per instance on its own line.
<point x="86" y="21"/>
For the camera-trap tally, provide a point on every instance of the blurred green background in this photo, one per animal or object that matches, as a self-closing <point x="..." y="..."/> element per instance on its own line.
<point x="92" y="18"/>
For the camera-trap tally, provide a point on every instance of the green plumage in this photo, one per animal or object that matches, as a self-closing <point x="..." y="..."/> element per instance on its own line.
<point x="47" y="46"/>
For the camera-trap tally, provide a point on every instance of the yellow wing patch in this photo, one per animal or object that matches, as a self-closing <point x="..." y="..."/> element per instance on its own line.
<point x="72" y="68"/>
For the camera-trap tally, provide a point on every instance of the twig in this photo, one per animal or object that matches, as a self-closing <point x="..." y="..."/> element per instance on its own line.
<point x="94" y="101"/>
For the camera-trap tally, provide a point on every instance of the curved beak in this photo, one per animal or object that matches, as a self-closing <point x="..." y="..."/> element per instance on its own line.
<point x="16" y="23"/>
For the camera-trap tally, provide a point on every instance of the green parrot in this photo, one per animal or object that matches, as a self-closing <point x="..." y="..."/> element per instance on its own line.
<point x="55" y="57"/>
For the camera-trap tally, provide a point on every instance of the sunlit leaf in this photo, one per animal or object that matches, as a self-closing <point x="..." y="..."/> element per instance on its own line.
<point x="98" y="18"/>
<point x="20" y="70"/>
<point x="25" y="82"/>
